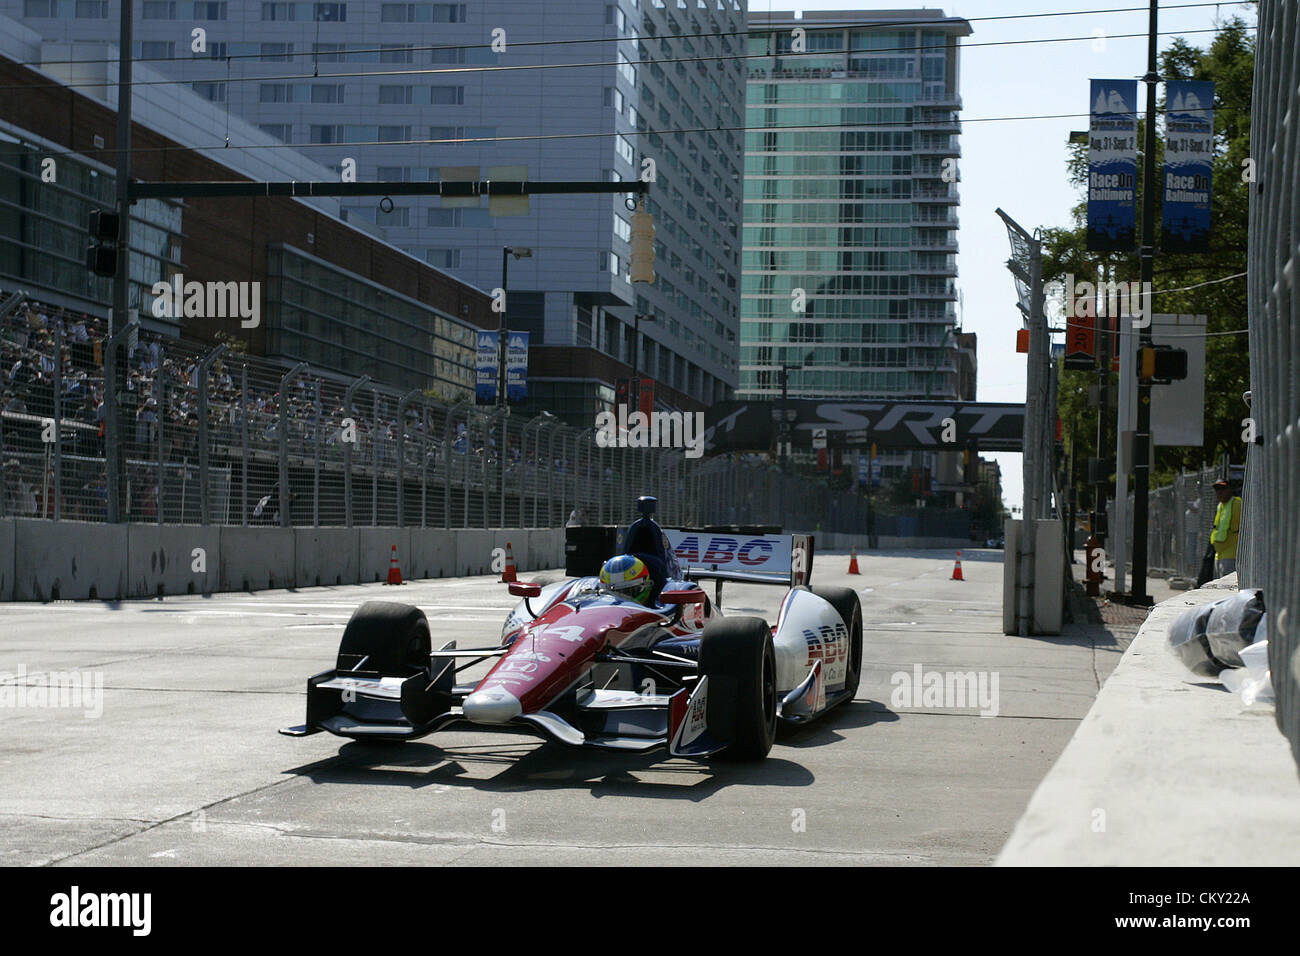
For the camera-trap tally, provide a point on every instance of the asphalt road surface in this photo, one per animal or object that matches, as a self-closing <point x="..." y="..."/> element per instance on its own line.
<point x="184" y="765"/>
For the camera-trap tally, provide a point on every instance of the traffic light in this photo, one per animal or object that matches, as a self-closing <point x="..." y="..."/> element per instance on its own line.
<point x="643" y="245"/>
<point x="101" y="254"/>
<point x="1162" y="364"/>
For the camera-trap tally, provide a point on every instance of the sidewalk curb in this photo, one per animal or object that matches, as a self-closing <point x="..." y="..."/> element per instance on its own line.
<point x="1166" y="769"/>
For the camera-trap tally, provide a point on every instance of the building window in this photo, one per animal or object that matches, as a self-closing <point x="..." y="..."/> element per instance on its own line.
<point x="623" y="148"/>
<point x="448" y="13"/>
<point x="45" y="9"/>
<point x="448" y="56"/>
<point x="279" y="11"/>
<point x="330" y="12"/>
<point x="622" y="229"/>
<point x="275" y="93"/>
<point x="626" y="69"/>
<point x="157" y="50"/>
<point x="398" y="216"/>
<point x="326" y="134"/>
<point x="281" y="131"/>
<point x="422" y="13"/>
<point x="159" y="10"/>
<point x="443" y="258"/>
<point x="396" y="53"/>
<point x="92" y="9"/>
<point x="447" y="95"/>
<point x="395" y="134"/>
<point x="327" y="92"/>
<point x="213" y="92"/>
<point x="276" y="51"/>
<point x="210" y="11"/>
<point x="395" y="95"/>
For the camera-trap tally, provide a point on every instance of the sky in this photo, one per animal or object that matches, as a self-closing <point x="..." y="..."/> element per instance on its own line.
<point x="1020" y="166"/>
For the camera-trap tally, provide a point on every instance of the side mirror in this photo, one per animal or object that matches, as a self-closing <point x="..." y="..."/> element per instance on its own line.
<point x="693" y="596"/>
<point x="524" y="589"/>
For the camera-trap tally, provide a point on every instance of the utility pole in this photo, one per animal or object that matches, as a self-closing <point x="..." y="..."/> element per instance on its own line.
<point x="504" y="326"/>
<point x="1026" y="266"/>
<point x="1142" y="434"/>
<point x="122" y="277"/>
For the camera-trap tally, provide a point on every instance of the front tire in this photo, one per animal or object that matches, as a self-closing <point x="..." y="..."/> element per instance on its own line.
<point x="387" y="638"/>
<point x="737" y="657"/>
<point x="849" y="608"/>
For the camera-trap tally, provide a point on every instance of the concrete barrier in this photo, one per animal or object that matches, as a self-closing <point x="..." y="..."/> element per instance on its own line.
<point x="375" y="551"/>
<point x="545" y="549"/>
<point x="325" y="556"/>
<point x="6" y="560"/>
<point x="44" y="560"/>
<point x="162" y="560"/>
<point x="1167" y="769"/>
<point x="433" y="553"/>
<point x="256" y="558"/>
<point x="473" y="551"/>
<point x="61" y="560"/>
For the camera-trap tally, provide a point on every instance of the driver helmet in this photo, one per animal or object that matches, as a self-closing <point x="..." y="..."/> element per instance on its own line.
<point x="629" y="576"/>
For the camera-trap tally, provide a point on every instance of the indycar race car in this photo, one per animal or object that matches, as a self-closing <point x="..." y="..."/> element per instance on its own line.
<point x="581" y="664"/>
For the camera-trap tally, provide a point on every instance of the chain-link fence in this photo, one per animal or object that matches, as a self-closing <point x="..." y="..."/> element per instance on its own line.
<point x="199" y="435"/>
<point x="1178" y="530"/>
<point x="1267" y="553"/>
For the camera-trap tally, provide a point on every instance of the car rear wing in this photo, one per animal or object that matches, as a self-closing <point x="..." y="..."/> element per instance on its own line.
<point x="783" y="559"/>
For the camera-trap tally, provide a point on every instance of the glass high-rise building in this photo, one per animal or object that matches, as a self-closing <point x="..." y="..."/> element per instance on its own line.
<point x="850" y="207"/>
<point x="407" y="91"/>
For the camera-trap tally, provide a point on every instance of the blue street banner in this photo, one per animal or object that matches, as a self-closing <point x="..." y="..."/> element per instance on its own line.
<point x="1112" y="166"/>
<point x="485" y="385"/>
<point x="1189" y="154"/>
<point x="516" y="366"/>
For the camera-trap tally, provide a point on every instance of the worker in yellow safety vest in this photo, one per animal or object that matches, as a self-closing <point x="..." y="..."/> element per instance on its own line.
<point x="1227" y="526"/>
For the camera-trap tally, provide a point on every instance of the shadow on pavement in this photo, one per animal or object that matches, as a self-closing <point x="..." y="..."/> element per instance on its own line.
<point x="826" y="730"/>
<point x="540" y="765"/>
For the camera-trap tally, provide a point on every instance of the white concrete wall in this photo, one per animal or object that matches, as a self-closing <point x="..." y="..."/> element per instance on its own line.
<point x="68" y="559"/>
<point x="41" y="560"/>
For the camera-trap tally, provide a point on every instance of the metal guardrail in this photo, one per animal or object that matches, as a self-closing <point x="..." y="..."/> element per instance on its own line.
<point x="211" y="436"/>
<point x="1267" y="553"/>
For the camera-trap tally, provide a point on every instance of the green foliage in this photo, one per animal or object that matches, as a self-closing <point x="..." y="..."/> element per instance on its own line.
<point x="1229" y="62"/>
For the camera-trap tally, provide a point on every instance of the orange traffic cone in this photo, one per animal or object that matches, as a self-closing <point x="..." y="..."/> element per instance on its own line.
<point x="508" y="574"/>
<point x="853" y="563"/>
<point x="394" y="572"/>
<point x="956" y="570"/>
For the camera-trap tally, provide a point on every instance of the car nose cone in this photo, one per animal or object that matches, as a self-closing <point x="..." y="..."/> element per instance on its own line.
<point x="492" y="706"/>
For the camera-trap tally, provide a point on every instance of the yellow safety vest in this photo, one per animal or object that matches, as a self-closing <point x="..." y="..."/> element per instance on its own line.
<point x="1227" y="525"/>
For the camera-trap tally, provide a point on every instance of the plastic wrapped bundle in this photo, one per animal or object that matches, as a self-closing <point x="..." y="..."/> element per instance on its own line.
<point x="1187" y="638"/>
<point x="1232" y="625"/>
<point x="1208" y="639"/>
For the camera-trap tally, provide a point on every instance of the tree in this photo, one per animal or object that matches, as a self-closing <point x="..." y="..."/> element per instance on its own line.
<point x="1228" y="61"/>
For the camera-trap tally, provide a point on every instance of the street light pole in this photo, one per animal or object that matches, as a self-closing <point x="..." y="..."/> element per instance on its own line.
<point x="502" y="328"/>
<point x="1142" y="433"/>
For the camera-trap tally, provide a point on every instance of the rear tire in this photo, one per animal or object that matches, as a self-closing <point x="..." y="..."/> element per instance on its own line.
<point x="737" y="657"/>
<point x="385" y="637"/>
<point x="846" y="604"/>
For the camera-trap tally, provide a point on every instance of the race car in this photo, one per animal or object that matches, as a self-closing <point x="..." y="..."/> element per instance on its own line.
<point x="583" y="664"/>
